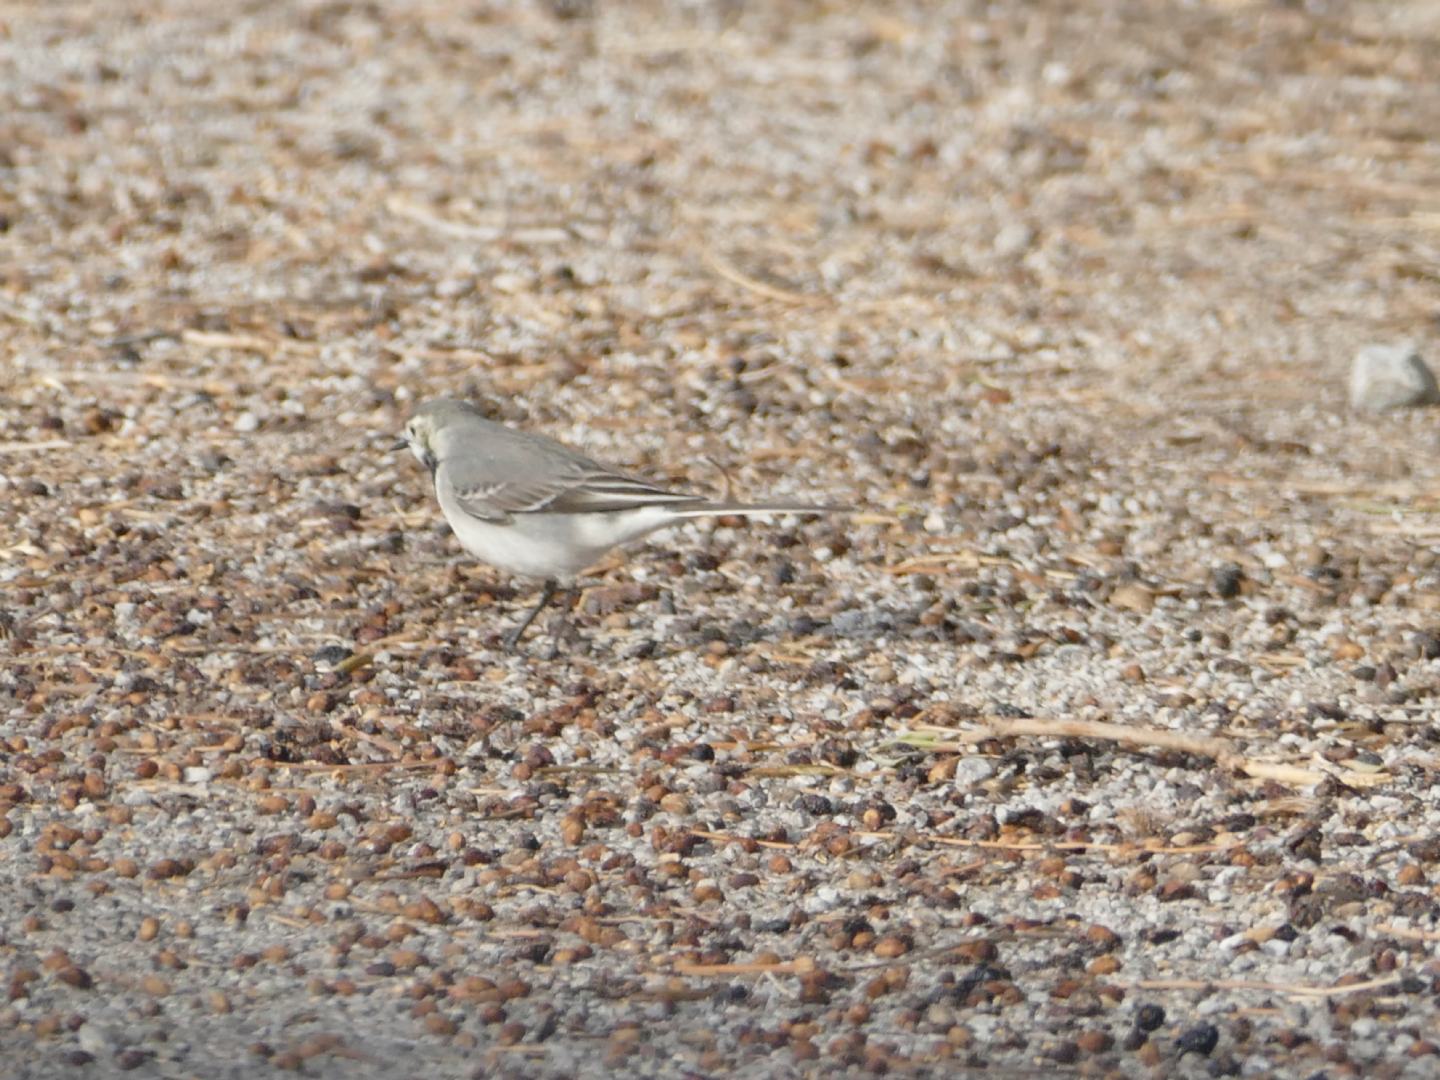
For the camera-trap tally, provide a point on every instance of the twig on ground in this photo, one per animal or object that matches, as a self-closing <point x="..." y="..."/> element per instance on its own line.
<point x="1272" y="988"/>
<point x="1218" y="750"/>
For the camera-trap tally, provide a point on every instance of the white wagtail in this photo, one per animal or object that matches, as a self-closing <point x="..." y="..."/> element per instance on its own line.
<point x="534" y="507"/>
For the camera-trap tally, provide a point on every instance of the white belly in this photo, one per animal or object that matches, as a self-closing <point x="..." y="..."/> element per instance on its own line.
<point x="549" y="545"/>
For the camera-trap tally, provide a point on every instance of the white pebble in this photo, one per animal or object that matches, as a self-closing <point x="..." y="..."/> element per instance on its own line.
<point x="1391" y="377"/>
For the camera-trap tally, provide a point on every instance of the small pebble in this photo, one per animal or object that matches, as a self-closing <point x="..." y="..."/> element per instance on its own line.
<point x="1391" y="377"/>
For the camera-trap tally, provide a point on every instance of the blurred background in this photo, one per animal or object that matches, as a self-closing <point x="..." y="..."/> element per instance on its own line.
<point x="1112" y="198"/>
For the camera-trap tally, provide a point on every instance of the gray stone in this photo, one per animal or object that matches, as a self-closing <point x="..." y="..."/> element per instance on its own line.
<point x="1391" y="377"/>
<point x="98" y="1039"/>
<point x="970" y="771"/>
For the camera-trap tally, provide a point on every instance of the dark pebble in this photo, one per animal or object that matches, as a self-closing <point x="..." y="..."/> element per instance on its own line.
<point x="1224" y="1065"/>
<point x="818" y="805"/>
<point x="1225" y="580"/>
<point x="1200" y="1039"/>
<point x="331" y="654"/>
<point x="162" y="489"/>
<point x="1149" y="1017"/>
<point x="338" y="509"/>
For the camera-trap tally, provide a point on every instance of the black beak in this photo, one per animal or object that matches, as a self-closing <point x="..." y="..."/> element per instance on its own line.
<point x="400" y="445"/>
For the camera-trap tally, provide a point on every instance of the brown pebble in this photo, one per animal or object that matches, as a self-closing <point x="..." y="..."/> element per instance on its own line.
<point x="57" y="960"/>
<point x="1345" y="649"/>
<point x="77" y="977"/>
<point x="675" y="803"/>
<point x="1102" y="936"/>
<point x="572" y="829"/>
<point x="149" y="927"/>
<point x="1103" y="965"/>
<point x="169" y="868"/>
<point x="891" y="945"/>
<point x="804" y="1049"/>
<point x="440" y="1024"/>
<point x="1095" y="1042"/>
<point x="708" y="893"/>
<point x="425" y="910"/>
<point x="406" y="959"/>
<point x="1410" y="874"/>
<point x="1133" y="597"/>
<point x="1176" y="890"/>
<point x="942" y="770"/>
<point x="979" y="951"/>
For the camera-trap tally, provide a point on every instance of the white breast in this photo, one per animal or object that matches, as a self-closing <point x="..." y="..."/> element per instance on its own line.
<point x="548" y="545"/>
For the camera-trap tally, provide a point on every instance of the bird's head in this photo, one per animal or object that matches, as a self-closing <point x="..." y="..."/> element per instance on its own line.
<point x="427" y="430"/>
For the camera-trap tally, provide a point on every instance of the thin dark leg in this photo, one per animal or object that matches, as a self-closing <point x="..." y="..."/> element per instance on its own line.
<point x="562" y="622"/>
<point x="547" y="594"/>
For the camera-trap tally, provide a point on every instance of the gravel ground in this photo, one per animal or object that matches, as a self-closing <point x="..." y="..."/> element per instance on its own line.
<point x="1098" y="742"/>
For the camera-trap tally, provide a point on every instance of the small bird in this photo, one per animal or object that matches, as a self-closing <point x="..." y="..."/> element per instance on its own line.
<point x="534" y="507"/>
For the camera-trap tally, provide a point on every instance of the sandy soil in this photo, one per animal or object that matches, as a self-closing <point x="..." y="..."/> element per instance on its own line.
<point x="1099" y="741"/>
